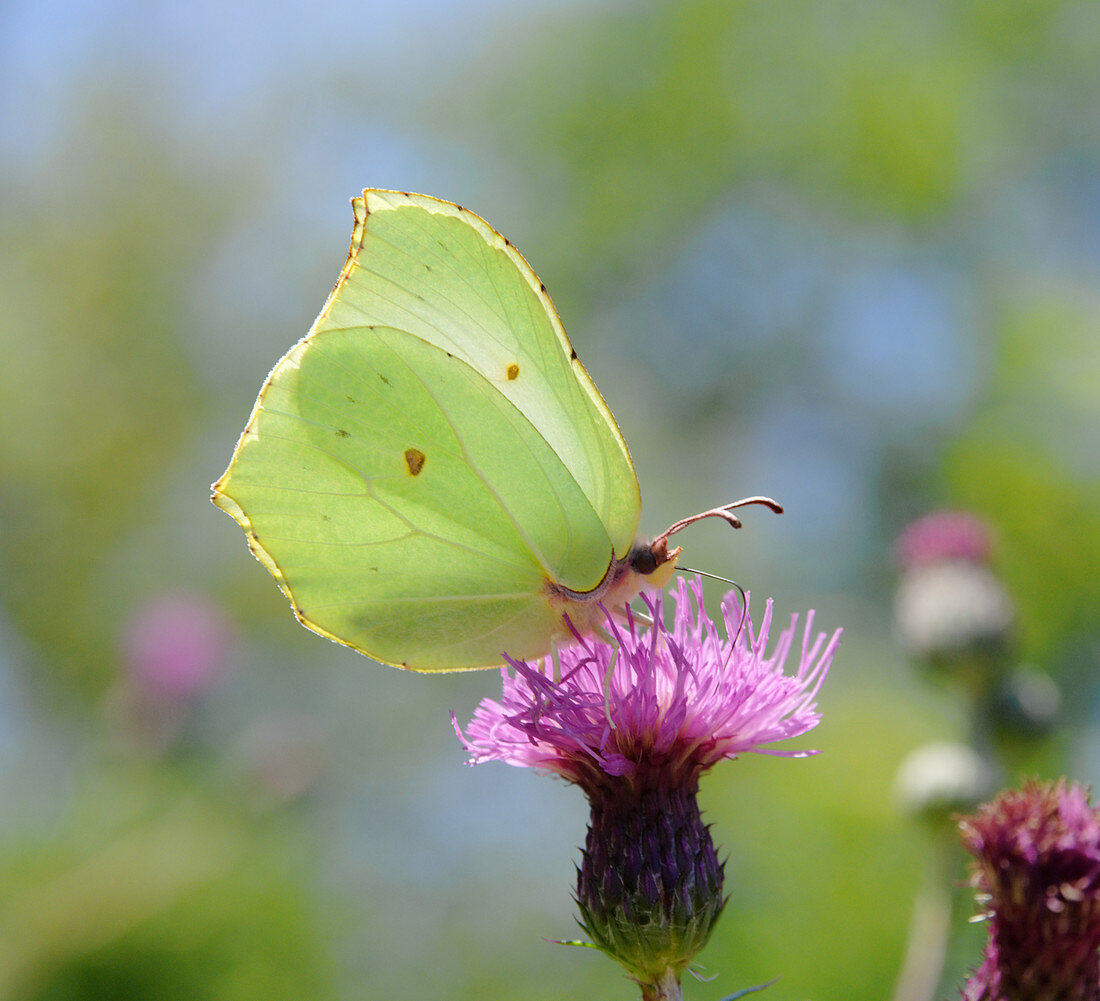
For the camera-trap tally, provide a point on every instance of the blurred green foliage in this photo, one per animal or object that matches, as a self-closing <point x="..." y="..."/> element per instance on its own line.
<point x="642" y="118"/>
<point x="711" y="192"/>
<point x="151" y="889"/>
<point x="1029" y="460"/>
<point x="97" y="385"/>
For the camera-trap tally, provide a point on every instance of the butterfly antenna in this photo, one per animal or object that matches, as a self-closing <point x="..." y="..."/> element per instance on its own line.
<point x="703" y="573"/>
<point x="744" y="612"/>
<point x="725" y="512"/>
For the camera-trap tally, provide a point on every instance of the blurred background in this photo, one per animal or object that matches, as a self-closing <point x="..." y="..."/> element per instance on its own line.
<point x="842" y="253"/>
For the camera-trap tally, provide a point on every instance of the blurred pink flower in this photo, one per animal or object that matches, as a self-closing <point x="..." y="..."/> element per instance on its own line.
<point x="177" y="646"/>
<point x="945" y="535"/>
<point x="950" y="608"/>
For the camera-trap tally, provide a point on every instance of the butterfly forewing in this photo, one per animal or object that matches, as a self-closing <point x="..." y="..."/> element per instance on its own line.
<point x="443" y="274"/>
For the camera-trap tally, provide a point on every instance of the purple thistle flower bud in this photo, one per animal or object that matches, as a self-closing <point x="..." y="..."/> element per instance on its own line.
<point x="1037" y="869"/>
<point x="635" y="724"/>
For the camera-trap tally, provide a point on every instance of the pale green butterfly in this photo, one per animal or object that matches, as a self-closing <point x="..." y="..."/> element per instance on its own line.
<point x="430" y="474"/>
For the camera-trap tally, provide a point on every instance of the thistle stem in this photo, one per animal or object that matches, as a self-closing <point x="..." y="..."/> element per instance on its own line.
<point x="666" y="989"/>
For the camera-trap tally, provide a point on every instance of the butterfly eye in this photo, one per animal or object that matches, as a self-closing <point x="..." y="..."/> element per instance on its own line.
<point x="642" y="559"/>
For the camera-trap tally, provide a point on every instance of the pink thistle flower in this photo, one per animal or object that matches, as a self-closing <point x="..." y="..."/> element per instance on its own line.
<point x="679" y="699"/>
<point x="945" y="535"/>
<point x="1037" y="868"/>
<point x="635" y="723"/>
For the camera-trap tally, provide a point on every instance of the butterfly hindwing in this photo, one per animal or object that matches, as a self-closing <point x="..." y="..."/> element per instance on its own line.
<point x="405" y="506"/>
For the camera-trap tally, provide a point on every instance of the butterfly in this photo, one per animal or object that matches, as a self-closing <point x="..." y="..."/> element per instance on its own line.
<point x="430" y="474"/>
